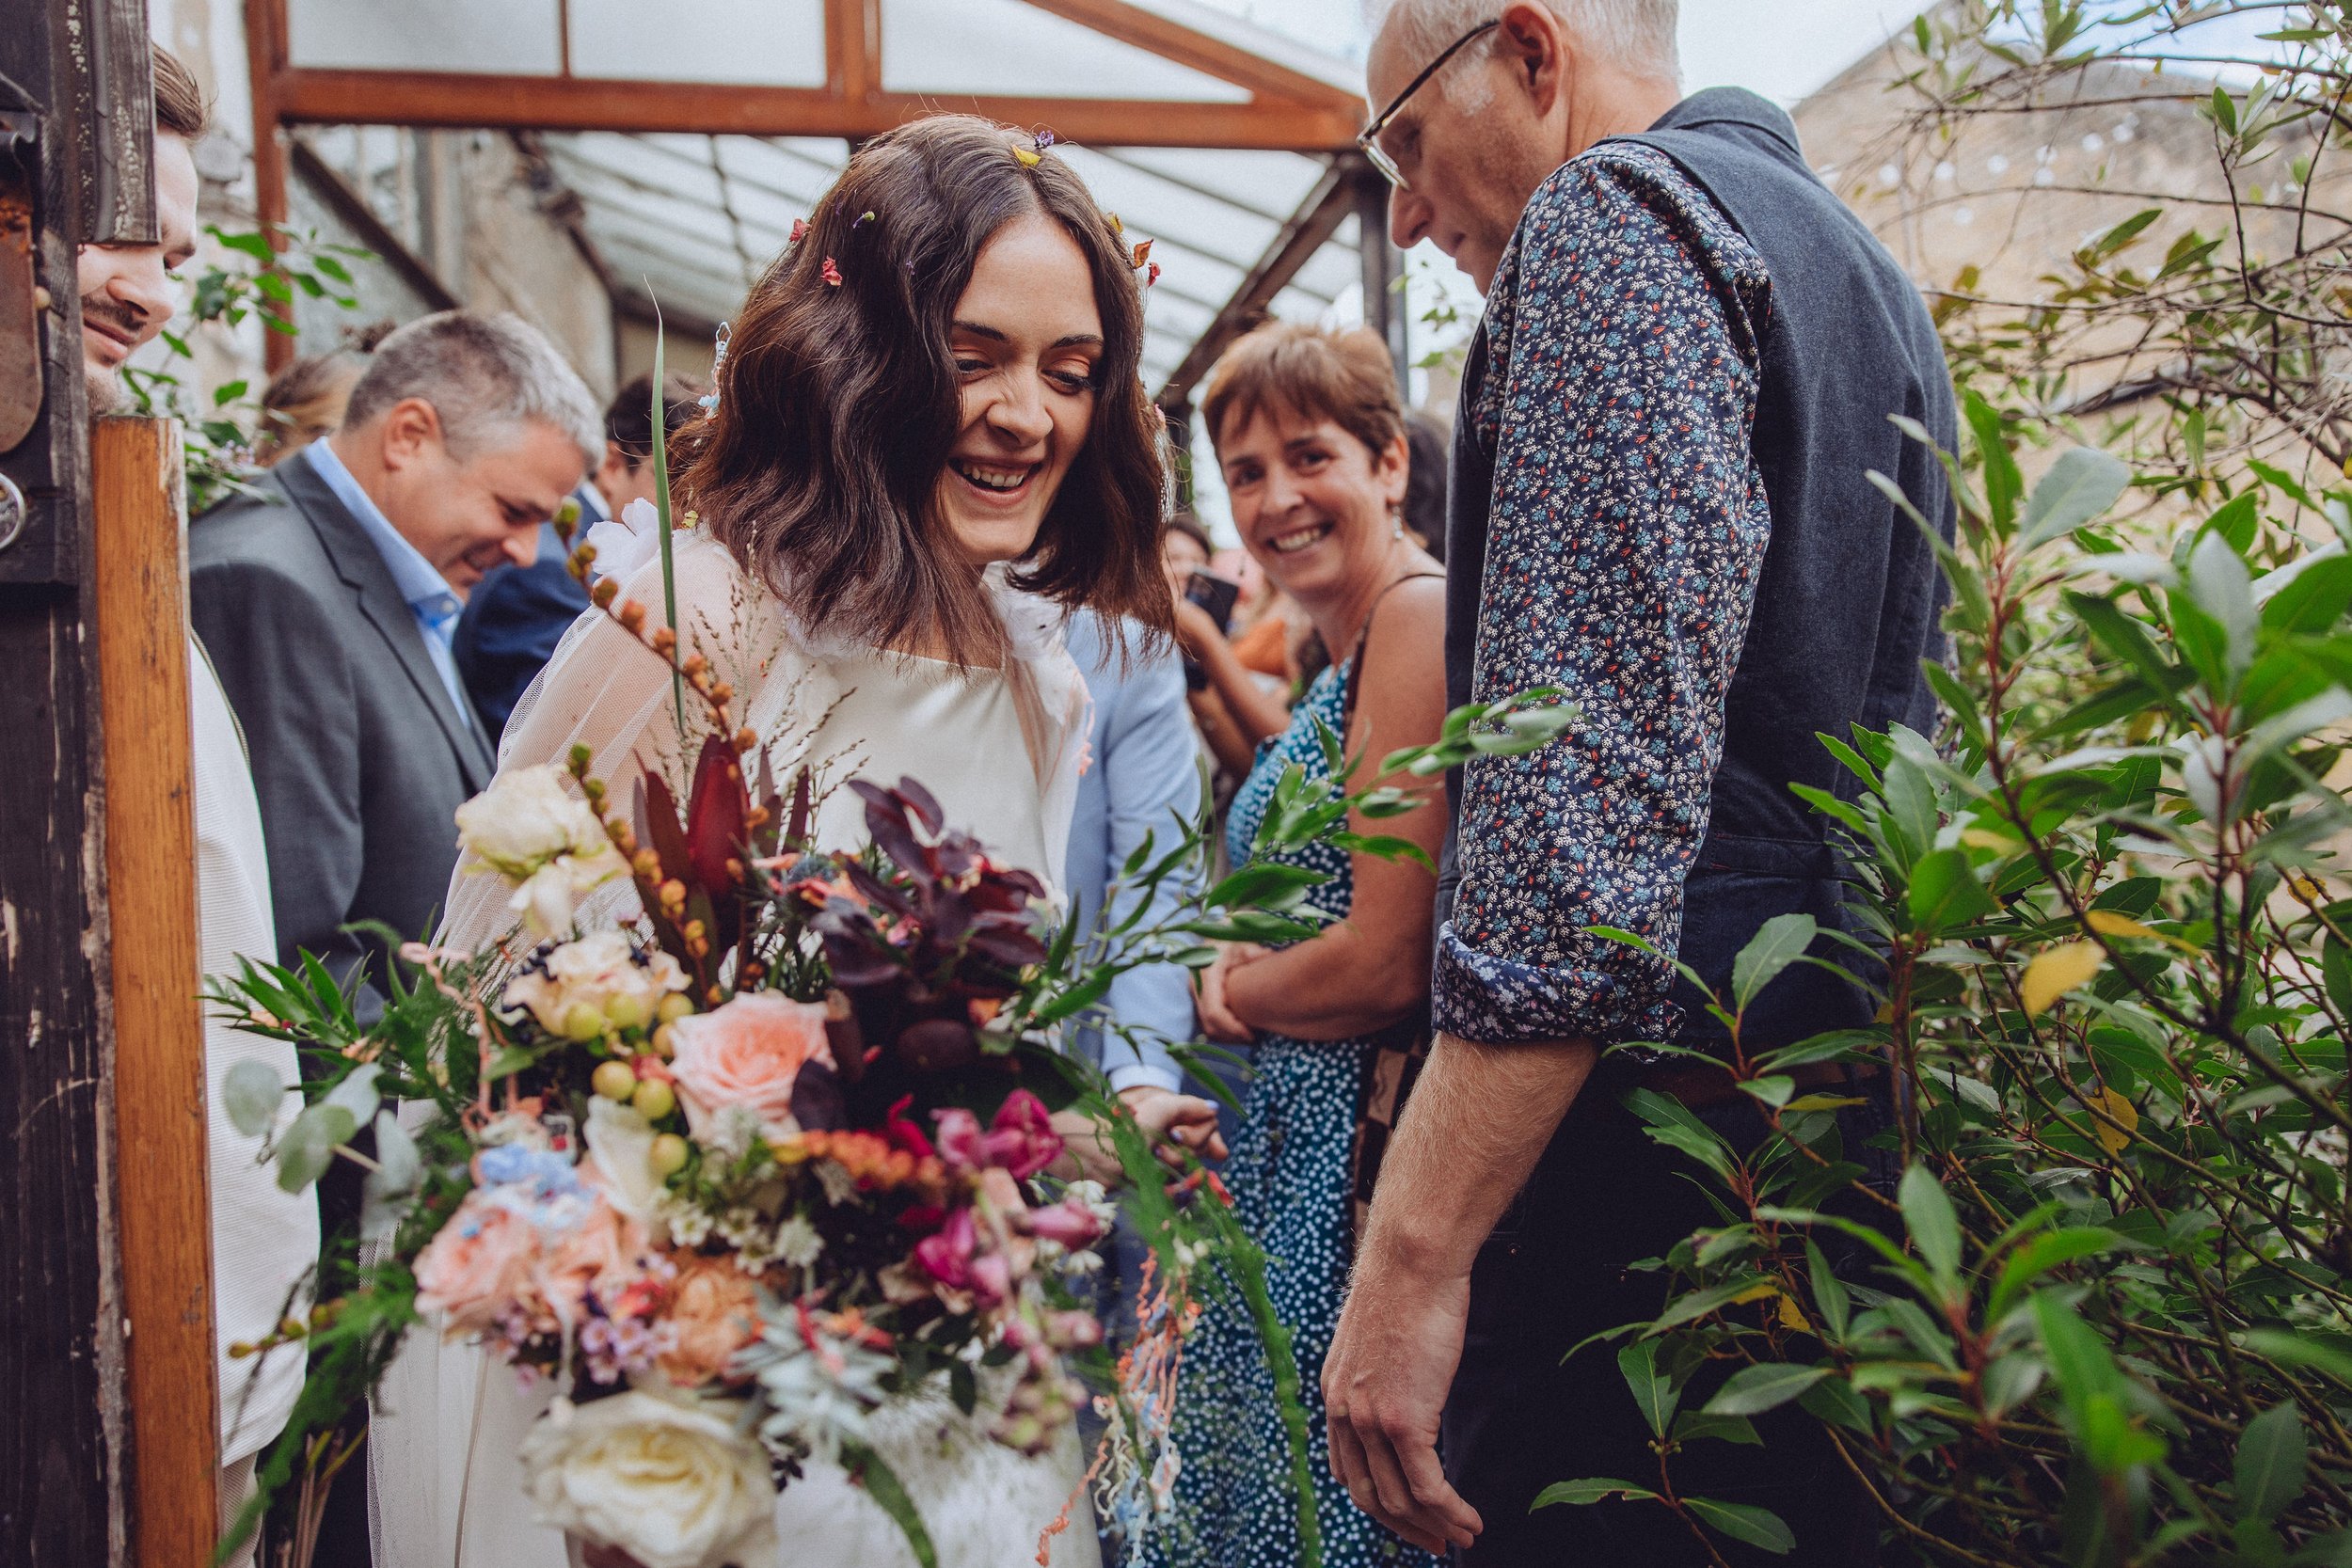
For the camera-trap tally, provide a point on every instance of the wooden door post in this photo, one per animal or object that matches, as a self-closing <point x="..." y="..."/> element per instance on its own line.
<point x="160" y="1077"/>
<point x="77" y="112"/>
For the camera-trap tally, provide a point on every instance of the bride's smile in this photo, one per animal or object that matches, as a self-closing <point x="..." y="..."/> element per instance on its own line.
<point x="1026" y="341"/>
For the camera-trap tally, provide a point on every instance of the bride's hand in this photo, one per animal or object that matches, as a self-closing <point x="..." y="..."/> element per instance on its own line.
<point x="1168" y="1117"/>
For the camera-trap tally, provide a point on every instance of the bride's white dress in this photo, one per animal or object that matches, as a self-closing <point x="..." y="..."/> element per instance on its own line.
<point x="1001" y="751"/>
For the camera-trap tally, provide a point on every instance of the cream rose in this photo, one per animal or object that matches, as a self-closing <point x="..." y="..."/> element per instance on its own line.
<point x="673" y="1483"/>
<point x="533" y="830"/>
<point x="620" y="1146"/>
<point x="747" y="1054"/>
<point x="598" y="970"/>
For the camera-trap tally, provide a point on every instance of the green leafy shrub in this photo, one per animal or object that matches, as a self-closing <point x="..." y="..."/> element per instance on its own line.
<point x="2103" y="1320"/>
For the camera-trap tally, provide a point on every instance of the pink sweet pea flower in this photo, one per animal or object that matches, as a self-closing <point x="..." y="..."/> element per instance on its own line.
<point x="1022" y="1139"/>
<point x="947" y="1254"/>
<point x="959" y="1142"/>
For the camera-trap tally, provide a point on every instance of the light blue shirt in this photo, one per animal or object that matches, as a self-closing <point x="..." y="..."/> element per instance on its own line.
<point x="431" y="599"/>
<point x="1145" y="775"/>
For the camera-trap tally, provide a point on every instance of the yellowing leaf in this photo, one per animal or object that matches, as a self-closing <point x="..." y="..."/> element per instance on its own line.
<point x="1985" y="838"/>
<point x="2125" y="1115"/>
<point x="2109" y="923"/>
<point x="1822" y="1102"/>
<point x="1028" y="159"/>
<point x="1755" y="1292"/>
<point x="2305" y="888"/>
<point x="2052" y="973"/>
<point x="1793" y="1316"/>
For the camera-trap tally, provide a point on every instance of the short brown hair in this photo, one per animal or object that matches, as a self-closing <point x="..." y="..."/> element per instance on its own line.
<point x="839" y="404"/>
<point x="629" y="418"/>
<point x="1310" y="372"/>
<point x="179" y="107"/>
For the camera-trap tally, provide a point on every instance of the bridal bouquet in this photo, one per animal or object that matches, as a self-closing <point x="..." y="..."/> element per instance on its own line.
<point x="766" y="1145"/>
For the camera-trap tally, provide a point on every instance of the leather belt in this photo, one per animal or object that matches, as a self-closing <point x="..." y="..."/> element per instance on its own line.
<point x="1704" y="1087"/>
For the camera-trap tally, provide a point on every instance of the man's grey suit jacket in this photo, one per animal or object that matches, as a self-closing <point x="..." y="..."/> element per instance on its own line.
<point x="359" y="756"/>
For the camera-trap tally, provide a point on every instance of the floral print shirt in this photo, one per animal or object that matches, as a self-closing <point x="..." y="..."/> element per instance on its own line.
<point x="1616" y="395"/>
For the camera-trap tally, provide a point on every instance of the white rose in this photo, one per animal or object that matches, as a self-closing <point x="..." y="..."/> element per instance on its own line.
<point x="548" y="895"/>
<point x="673" y="1483"/>
<point x="620" y="1145"/>
<point x="526" y="818"/>
<point x="626" y="543"/>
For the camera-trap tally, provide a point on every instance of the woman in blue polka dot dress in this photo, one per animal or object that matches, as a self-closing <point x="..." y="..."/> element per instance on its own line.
<point x="1311" y="442"/>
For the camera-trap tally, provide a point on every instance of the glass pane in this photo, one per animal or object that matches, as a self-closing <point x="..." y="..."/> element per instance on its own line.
<point x="767" y="42"/>
<point x="1003" y="47"/>
<point x="503" y="36"/>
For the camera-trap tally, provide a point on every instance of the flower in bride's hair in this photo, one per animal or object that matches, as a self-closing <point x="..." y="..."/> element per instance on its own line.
<point x="530" y="828"/>
<point x="748" y="1056"/>
<point x="626" y="543"/>
<point x="675" y="1483"/>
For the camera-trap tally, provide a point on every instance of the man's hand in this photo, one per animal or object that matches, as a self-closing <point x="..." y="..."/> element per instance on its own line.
<point x="1384" y="1386"/>
<point x="1217" y="1018"/>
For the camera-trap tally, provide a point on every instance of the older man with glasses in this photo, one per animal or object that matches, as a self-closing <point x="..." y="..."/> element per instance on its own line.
<point x="1660" y="504"/>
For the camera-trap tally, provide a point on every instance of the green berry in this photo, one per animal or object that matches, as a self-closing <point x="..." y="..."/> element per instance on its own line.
<point x="625" y="1011"/>
<point x="583" y="1023"/>
<point x="614" y="1081"/>
<point x="654" y="1099"/>
<point x="667" y="1155"/>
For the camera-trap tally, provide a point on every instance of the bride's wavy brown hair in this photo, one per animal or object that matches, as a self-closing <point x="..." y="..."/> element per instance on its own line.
<point x="839" y="404"/>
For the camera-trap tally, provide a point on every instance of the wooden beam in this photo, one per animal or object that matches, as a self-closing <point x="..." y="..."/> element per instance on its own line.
<point x="853" y="49"/>
<point x="1199" y="51"/>
<point x="160" y="1082"/>
<point x="65" y="1486"/>
<point x="1317" y="219"/>
<point x="321" y="97"/>
<point x="265" y="66"/>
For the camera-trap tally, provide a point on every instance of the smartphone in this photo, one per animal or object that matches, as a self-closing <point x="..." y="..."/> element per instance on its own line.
<point x="1217" y="596"/>
<point x="1214" y="594"/>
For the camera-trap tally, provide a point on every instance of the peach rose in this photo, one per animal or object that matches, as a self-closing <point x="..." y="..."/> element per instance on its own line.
<point x="714" y="1312"/>
<point x="483" y="1260"/>
<point x="749" y="1055"/>
<point x="605" y="1253"/>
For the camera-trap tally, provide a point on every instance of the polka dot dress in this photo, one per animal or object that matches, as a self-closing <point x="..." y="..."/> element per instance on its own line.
<point x="1288" y="1173"/>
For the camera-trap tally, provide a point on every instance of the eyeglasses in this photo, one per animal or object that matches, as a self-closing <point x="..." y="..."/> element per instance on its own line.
<point x="1368" y="139"/>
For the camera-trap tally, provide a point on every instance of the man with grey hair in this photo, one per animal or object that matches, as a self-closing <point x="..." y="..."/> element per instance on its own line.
<point x="1661" y="504"/>
<point x="328" y="599"/>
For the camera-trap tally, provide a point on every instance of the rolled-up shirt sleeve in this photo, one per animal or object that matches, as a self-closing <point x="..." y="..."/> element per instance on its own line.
<point x="1629" y="524"/>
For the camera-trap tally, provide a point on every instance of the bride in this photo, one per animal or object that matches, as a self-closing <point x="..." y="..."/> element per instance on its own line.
<point x="931" y="443"/>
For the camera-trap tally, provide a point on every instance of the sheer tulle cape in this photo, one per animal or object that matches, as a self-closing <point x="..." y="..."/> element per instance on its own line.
<point x="449" y="1422"/>
<point x="605" y="692"/>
